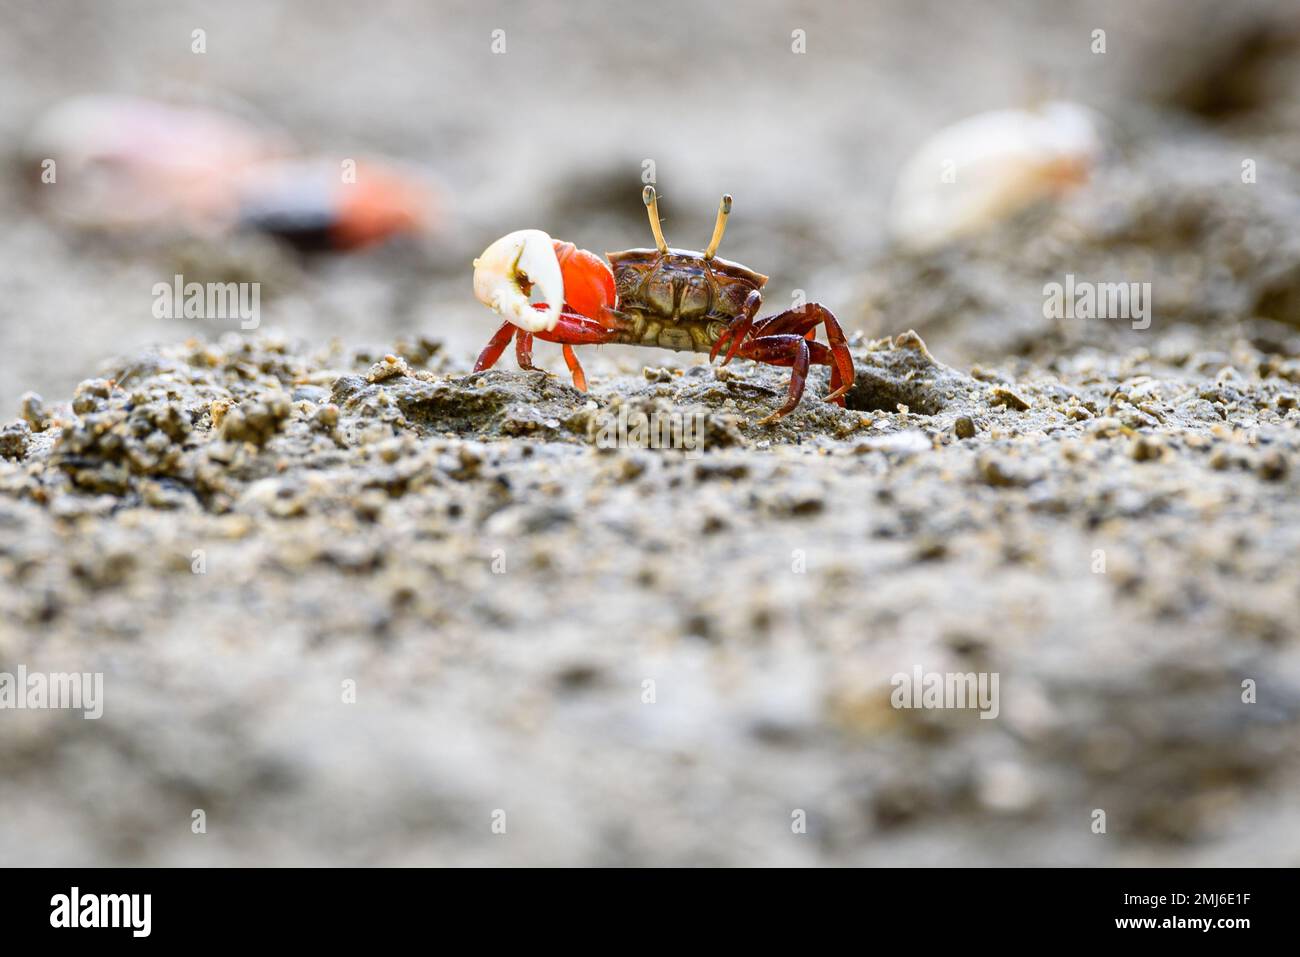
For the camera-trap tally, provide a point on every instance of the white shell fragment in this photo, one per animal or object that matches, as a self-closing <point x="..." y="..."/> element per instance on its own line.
<point x="527" y="255"/>
<point x="983" y="169"/>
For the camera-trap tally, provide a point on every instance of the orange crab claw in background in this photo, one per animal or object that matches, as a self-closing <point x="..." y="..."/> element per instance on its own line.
<point x="588" y="281"/>
<point x="129" y="163"/>
<point x="383" y="202"/>
<point x="309" y="203"/>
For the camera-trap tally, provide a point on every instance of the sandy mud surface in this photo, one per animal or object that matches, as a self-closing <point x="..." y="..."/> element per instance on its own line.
<point x="359" y="604"/>
<point x="1112" y="538"/>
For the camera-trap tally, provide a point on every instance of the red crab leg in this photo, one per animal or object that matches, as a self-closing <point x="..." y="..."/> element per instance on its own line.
<point x="735" y="334"/>
<point x="524" y="350"/>
<point x="739" y="327"/>
<point x="821" y="356"/>
<point x="819" y="353"/>
<point x="804" y="322"/>
<point x="572" y="329"/>
<point x="575" y="367"/>
<point x="578" y="330"/>
<point x="496" y="345"/>
<point x="792" y="350"/>
<point x="840" y="352"/>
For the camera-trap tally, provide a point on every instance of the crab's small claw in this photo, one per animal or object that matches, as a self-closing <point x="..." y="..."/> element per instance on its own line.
<point x="588" y="282"/>
<point x="508" y="270"/>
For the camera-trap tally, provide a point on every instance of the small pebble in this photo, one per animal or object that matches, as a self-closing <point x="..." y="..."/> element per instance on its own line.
<point x="1273" y="466"/>
<point x="13" y="440"/>
<point x="389" y="367"/>
<point x="1004" y="396"/>
<point x="32" y="408"/>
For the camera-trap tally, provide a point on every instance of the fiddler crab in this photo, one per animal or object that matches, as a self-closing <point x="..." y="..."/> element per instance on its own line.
<point x="671" y="298"/>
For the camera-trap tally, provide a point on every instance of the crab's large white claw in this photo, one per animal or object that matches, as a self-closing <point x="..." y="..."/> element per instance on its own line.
<point x="510" y="267"/>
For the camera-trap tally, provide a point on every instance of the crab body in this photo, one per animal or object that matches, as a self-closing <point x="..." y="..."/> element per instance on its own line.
<point x="679" y="300"/>
<point x="668" y="298"/>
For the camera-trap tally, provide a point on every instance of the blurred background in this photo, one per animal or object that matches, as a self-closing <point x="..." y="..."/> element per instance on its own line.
<point x="554" y="133"/>
<point x="227" y="685"/>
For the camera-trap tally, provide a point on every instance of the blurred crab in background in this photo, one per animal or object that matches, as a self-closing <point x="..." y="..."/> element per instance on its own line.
<point x="124" y="163"/>
<point x="972" y="175"/>
<point x="670" y="298"/>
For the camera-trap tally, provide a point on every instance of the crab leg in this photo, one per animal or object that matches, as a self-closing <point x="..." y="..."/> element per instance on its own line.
<point x="575" y="329"/>
<point x="804" y="321"/>
<point x="571" y="329"/>
<point x="495" y="346"/>
<point x="579" y="330"/>
<point x="739" y="328"/>
<point x="575" y="367"/>
<point x="818" y="352"/>
<point x="524" y="350"/>
<point x="788" y="350"/>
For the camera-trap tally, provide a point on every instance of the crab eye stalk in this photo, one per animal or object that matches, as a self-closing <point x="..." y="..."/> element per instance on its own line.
<point x="506" y="273"/>
<point x="652" y="209"/>
<point x="719" y="226"/>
